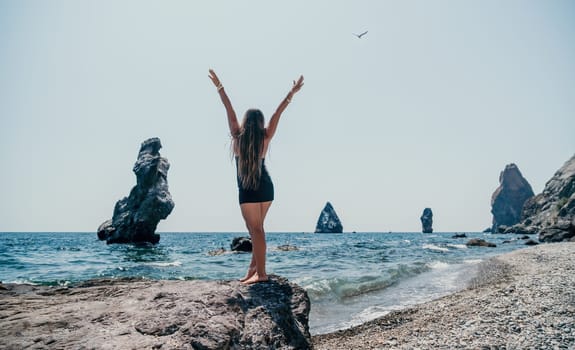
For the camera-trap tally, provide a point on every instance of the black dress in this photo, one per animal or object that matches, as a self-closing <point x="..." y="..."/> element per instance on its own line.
<point x="264" y="192"/>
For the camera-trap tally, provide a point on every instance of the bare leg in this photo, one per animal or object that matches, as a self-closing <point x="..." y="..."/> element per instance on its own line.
<point x="254" y="214"/>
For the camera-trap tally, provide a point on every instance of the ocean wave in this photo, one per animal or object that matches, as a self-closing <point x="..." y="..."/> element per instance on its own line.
<point x="435" y="247"/>
<point x="437" y="265"/>
<point x="165" y="264"/>
<point x="348" y="287"/>
<point x="21" y="281"/>
<point x="54" y="283"/>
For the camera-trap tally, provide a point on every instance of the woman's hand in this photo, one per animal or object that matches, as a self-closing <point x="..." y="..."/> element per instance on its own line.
<point x="216" y="80"/>
<point x="296" y="86"/>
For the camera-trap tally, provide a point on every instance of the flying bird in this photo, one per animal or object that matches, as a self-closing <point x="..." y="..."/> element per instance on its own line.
<point x="360" y="35"/>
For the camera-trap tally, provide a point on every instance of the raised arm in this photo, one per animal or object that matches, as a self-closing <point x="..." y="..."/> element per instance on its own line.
<point x="232" y="118"/>
<point x="274" y="120"/>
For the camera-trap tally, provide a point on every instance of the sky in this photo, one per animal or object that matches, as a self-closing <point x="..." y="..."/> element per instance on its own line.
<point x="425" y="110"/>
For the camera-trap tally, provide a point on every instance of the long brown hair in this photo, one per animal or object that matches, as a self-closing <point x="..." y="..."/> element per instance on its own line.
<point x="250" y="143"/>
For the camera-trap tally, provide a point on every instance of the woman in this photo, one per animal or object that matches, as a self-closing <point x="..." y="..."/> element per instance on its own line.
<point x="256" y="192"/>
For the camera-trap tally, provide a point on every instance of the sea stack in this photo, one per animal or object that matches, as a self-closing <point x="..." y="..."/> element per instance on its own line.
<point x="328" y="221"/>
<point x="552" y="212"/>
<point x="136" y="217"/>
<point x="427" y="221"/>
<point x="508" y="199"/>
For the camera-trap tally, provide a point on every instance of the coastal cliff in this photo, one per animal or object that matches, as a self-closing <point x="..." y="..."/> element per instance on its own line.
<point x="146" y="314"/>
<point x="551" y="213"/>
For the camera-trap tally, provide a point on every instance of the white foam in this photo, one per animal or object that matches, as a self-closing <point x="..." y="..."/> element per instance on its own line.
<point x="458" y="246"/>
<point x="21" y="281"/>
<point x="438" y="265"/>
<point x="472" y="261"/>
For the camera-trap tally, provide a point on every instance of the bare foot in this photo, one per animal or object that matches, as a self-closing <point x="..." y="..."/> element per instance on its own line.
<point x="256" y="279"/>
<point x="249" y="274"/>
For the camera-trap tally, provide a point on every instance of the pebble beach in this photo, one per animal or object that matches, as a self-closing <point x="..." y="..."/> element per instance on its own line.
<point x="519" y="300"/>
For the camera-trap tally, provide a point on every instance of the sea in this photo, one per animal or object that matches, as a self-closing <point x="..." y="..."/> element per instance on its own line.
<point x="350" y="278"/>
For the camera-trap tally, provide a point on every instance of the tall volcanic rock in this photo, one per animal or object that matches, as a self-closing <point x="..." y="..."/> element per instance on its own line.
<point x="328" y="221"/>
<point x="552" y="212"/>
<point x="136" y="217"/>
<point x="508" y="199"/>
<point x="427" y="221"/>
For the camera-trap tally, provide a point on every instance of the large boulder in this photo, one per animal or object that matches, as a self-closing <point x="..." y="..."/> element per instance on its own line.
<point x="508" y="199"/>
<point x="147" y="314"/>
<point x="328" y="221"/>
<point x="552" y="212"/>
<point x="136" y="217"/>
<point x="427" y="221"/>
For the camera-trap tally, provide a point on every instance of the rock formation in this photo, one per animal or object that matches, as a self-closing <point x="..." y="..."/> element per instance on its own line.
<point x="328" y="221"/>
<point x="552" y="212"/>
<point x="146" y="314"/>
<point x="427" y="221"/>
<point x="136" y="217"/>
<point x="241" y="244"/>
<point x="508" y="199"/>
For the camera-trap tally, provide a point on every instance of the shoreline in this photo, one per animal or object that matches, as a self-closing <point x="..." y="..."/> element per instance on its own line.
<point x="521" y="299"/>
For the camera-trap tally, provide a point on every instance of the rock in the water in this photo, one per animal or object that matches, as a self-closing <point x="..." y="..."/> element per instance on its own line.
<point x="508" y="199"/>
<point x="241" y="244"/>
<point x="476" y="242"/>
<point x="552" y="212"/>
<point x="427" y="221"/>
<point x="459" y="235"/>
<point x="328" y="221"/>
<point x="287" y="248"/>
<point x="140" y="314"/>
<point x="136" y="217"/>
<point x="520" y="229"/>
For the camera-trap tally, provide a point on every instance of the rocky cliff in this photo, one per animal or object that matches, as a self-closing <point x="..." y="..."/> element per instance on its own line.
<point x="328" y="221"/>
<point x="508" y="199"/>
<point x="427" y="221"/>
<point x="552" y="212"/>
<point x="136" y="217"/>
<point x="144" y="314"/>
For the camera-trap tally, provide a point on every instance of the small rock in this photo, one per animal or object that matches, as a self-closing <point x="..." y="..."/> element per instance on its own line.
<point x="287" y="248"/>
<point x="479" y="243"/>
<point x="217" y="252"/>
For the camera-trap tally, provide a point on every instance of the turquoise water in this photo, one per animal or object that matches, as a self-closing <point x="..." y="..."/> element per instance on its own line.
<point x="350" y="277"/>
